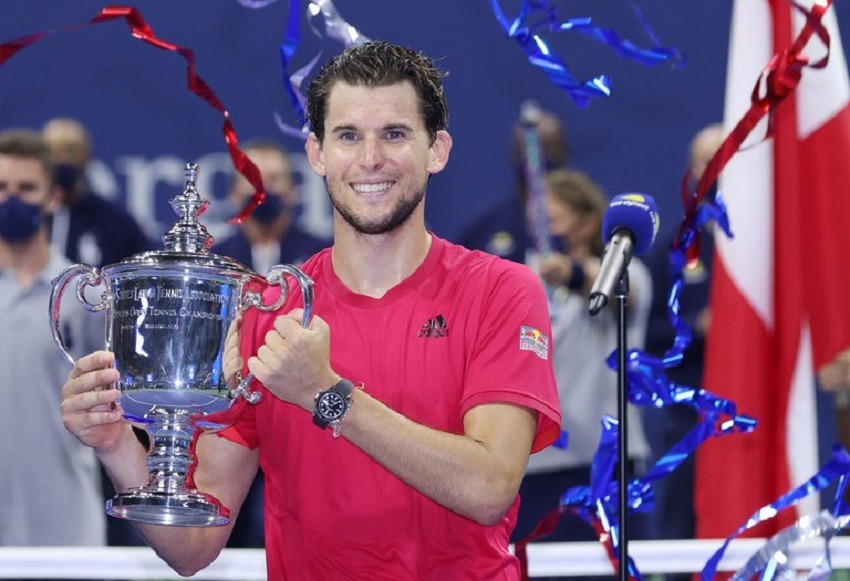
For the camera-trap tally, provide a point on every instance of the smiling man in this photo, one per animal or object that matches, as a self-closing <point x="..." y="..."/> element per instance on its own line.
<point x="388" y="452"/>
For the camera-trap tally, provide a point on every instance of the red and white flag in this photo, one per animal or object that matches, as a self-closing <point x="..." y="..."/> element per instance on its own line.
<point x="780" y="291"/>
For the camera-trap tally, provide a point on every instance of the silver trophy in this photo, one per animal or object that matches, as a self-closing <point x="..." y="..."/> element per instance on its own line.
<point x="167" y="318"/>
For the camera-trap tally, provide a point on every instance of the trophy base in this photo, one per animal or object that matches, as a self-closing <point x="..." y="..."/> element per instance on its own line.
<point x="185" y="509"/>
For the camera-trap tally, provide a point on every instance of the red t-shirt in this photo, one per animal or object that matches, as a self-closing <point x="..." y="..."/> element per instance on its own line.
<point x="465" y="328"/>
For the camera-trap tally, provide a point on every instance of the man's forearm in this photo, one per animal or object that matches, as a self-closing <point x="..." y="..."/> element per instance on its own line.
<point x="184" y="548"/>
<point x="465" y="473"/>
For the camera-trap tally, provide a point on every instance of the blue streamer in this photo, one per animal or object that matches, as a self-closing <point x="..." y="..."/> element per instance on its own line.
<point x="838" y="468"/>
<point x="288" y="47"/>
<point x="563" y="440"/>
<point x="334" y="27"/>
<point x="712" y="209"/>
<point x="541" y="55"/>
<point x="597" y="504"/>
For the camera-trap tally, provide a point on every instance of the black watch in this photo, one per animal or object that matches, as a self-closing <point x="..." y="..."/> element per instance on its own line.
<point x="332" y="405"/>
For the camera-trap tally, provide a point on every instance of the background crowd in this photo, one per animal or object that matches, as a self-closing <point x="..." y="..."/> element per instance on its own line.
<point x="85" y="227"/>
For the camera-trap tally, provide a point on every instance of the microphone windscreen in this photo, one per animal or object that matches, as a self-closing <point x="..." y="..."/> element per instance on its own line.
<point x="636" y="213"/>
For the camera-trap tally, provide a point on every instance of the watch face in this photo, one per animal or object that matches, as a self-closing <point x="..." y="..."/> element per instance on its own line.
<point x="331" y="406"/>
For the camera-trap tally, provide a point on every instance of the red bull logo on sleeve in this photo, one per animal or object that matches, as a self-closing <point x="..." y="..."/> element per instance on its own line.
<point x="530" y="339"/>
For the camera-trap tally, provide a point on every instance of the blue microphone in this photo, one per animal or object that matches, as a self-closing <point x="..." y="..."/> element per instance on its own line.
<point x="629" y="227"/>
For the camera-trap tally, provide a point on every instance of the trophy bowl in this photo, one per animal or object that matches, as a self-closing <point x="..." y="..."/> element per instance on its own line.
<point x="168" y="314"/>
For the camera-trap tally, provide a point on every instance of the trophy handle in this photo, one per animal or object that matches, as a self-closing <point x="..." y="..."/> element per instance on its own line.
<point x="275" y="276"/>
<point x="89" y="276"/>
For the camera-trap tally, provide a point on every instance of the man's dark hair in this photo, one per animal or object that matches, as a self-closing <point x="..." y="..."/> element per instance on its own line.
<point x="380" y="64"/>
<point x="27" y="144"/>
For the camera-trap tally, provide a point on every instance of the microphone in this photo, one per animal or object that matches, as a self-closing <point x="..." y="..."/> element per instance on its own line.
<point x="629" y="227"/>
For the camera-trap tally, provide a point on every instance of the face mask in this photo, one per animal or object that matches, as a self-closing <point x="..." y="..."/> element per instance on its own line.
<point x="270" y="209"/>
<point x="68" y="177"/>
<point x="560" y="244"/>
<point x="19" y="221"/>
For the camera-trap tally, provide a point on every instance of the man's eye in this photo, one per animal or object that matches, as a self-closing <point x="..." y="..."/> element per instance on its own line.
<point x="348" y="136"/>
<point x="394" y="135"/>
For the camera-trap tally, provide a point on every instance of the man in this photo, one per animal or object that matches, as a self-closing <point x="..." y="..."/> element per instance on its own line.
<point x="448" y="349"/>
<point x="51" y="485"/>
<point x="270" y="235"/>
<point x="86" y="227"/>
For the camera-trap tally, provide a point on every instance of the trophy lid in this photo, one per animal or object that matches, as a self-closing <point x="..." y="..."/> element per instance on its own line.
<point x="187" y="242"/>
<point x="188" y="234"/>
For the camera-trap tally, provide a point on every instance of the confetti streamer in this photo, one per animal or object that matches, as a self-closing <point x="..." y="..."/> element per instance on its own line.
<point x="541" y="55"/>
<point x="333" y="27"/>
<point x="142" y="31"/>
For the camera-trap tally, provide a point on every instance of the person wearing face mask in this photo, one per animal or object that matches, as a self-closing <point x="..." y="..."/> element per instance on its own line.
<point x="89" y="229"/>
<point x="86" y="227"/>
<point x="673" y="516"/>
<point x="271" y="234"/>
<point x="587" y="387"/>
<point x="50" y="488"/>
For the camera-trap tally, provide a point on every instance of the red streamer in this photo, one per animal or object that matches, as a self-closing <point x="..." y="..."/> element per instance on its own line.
<point x="547" y="524"/>
<point x="779" y="79"/>
<point x="140" y="30"/>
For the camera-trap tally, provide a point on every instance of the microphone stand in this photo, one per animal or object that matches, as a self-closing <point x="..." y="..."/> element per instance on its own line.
<point x="622" y="437"/>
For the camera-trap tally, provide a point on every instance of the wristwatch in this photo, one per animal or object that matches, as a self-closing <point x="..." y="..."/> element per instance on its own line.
<point x="332" y="405"/>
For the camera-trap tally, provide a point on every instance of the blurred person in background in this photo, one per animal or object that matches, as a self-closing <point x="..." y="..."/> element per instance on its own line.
<point x="270" y="235"/>
<point x="50" y="488"/>
<point x="87" y="227"/>
<point x="503" y="229"/>
<point x="587" y="387"/>
<point x="673" y="516"/>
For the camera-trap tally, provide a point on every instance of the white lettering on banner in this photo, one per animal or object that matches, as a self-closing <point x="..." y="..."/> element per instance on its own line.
<point x="150" y="183"/>
<point x="102" y="179"/>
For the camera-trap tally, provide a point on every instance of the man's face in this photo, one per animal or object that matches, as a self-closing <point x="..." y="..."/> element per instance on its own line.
<point x="376" y="156"/>
<point x="26" y="178"/>
<point x="277" y="178"/>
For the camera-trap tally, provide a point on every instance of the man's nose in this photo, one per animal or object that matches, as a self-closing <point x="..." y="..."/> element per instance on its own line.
<point x="372" y="153"/>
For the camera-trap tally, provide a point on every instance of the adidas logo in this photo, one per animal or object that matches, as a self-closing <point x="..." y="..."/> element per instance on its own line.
<point x="435" y="327"/>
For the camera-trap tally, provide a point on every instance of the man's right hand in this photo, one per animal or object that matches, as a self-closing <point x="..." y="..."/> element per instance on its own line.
<point x="89" y="408"/>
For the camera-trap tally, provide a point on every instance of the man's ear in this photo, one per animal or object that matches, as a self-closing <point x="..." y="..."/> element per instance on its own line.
<point x="439" y="153"/>
<point x="315" y="155"/>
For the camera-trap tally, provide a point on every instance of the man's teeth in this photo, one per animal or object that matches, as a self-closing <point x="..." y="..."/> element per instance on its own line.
<point x="372" y="188"/>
